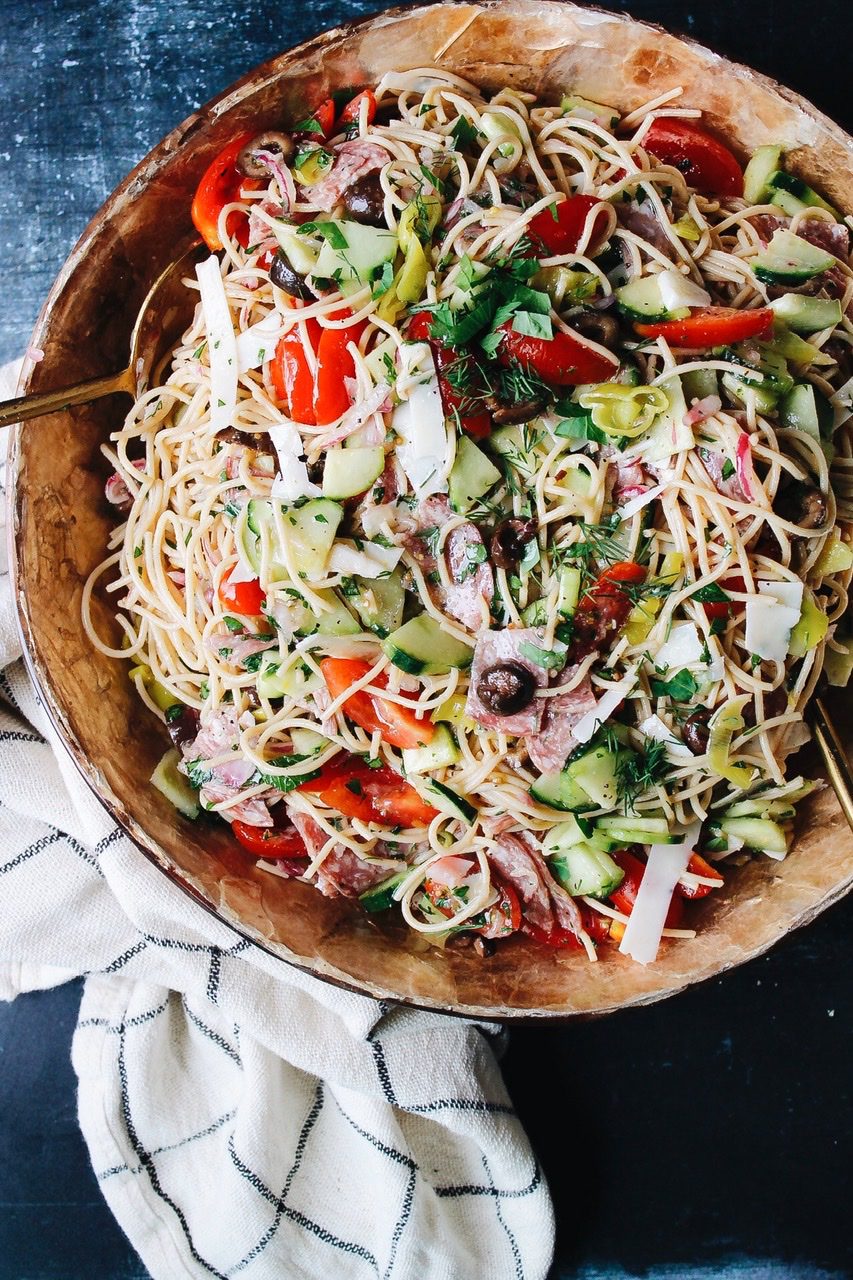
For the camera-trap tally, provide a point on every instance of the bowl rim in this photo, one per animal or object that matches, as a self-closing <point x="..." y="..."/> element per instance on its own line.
<point x="208" y="113"/>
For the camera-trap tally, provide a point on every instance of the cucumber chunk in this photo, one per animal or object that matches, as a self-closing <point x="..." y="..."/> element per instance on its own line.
<point x="757" y="833"/>
<point x="445" y="799"/>
<point x="805" y="409"/>
<point x="741" y="389"/>
<point x="559" y="791"/>
<point x="174" y="786"/>
<point x="569" y="590"/>
<point x="595" y="773"/>
<point x="381" y="896"/>
<point x="437" y="754"/>
<point x="337" y="620"/>
<point x="348" y="472"/>
<point x="699" y="383"/>
<point x="362" y="251"/>
<point x="585" y="871"/>
<point x="757" y="174"/>
<point x="310" y="531"/>
<point x="471" y="475"/>
<point x="788" y="259"/>
<point x="641" y="299"/>
<point x="535" y="614"/>
<point x="636" y="830"/>
<point x="378" y="602"/>
<point x="420" y="646"/>
<point x="807" y="315"/>
<point x="788" y="184"/>
<point x="280" y="678"/>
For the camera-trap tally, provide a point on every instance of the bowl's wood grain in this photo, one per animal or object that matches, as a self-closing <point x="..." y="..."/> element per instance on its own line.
<point x="61" y="522"/>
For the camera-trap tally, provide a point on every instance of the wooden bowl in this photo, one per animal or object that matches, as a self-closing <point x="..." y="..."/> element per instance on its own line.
<point x="61" y="521"/>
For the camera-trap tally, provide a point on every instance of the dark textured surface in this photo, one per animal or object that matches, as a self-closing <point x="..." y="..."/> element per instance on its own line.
<point x="709" y="1136"/>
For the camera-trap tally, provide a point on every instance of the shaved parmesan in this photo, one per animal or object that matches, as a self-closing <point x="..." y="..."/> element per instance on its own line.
<point x="258" y="343"/>
<point x="771" y="619"/>
<point x="666" y="865"/>
<point x="369" y="560"/>
<point x="789" y="594"/>
<point x="678" y="291"/>
<point x="588" y="724"/>
<point x="686" y="648"/>
<point x="221" y="343"/>
<point x="423" y="453"/>
<point x="655" y="729"/>
<point x="292" y="481"/>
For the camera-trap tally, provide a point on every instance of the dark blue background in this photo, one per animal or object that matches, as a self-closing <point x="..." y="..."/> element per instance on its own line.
<point x="706" y="1137"/>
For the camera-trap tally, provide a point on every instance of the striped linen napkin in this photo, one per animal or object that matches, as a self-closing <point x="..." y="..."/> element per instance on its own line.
<point x="242" y="1118"/>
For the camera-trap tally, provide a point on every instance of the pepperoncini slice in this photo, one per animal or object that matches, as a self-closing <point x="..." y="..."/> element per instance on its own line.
<point x="624" y="411"/>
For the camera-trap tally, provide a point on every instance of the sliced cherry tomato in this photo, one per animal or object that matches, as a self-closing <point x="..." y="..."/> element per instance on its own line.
<point x="604" y="607"/>
<point x="349" y="785"/>
<point x="350" y="113"/>
<point x="596" y="924"/>
<point x="559" y="228"/>
<point x="724" y="608"/>
<point x="625" y="896"/>
<point x="555" y="937"/>
<point x="271" y="842"/>
<point x="398" y="724"/>
<point x="245" y="598"/>
<point x="698" y="867"/>
<point x="473" y="419"/>
<point x="712" y="327"/>
<point x="334" y="365"/>
<point x="324" y="116"/>
<point x="503" y="916"/>
<point x="220" y="185"/>
<point x="707" y="164"/>
<point x="291" y="375"/>
<point x="562" y="360"/>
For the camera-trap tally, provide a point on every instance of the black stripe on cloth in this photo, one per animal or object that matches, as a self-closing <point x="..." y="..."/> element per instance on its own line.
<point x="107" y="840"/>
<point x="173" y="1146"/>
<point x="115" y="1029"/>
<point x="462" y="1104"/>
<point x="121" y="961"/>
<point x="213" y="1036"/>
<point x="513" y="1243"/>
<point x="38" y="846"/>
<point x="6" y="686"/>
<point x="147" y="1162"/>
<point x="409" y="1195"/>
<point x="382" y="1071"/>
<point x="213" y="975"/>
<point x="282" y="1209"/>
<point x="472" y="1189"/>
<point x="18" y="735"/>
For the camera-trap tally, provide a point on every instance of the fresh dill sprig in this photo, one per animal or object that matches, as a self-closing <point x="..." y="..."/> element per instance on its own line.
<point x="638" y="771"/>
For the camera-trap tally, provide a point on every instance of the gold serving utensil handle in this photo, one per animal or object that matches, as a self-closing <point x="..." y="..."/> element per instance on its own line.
<point x="161" y="319"/>
<point x="834" y="756"/>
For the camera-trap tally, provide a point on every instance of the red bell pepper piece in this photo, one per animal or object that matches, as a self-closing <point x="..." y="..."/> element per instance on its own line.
<point x="349" y="785"/>
<point x="334" y="364"/>
<point x="563" y="360"/>
<point x="350" y="113"/>
<point x="291" y="374"/>
<point x="398" y="724"/>
<point x="712" y="327"/>
<point x="699" y="867"/>
<point x="273" y="843"/>
<point x="706" y="163"/>
<point x="220" y="185"/>
<point x="245" y="598"/>
<point x="559" y="228"/>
